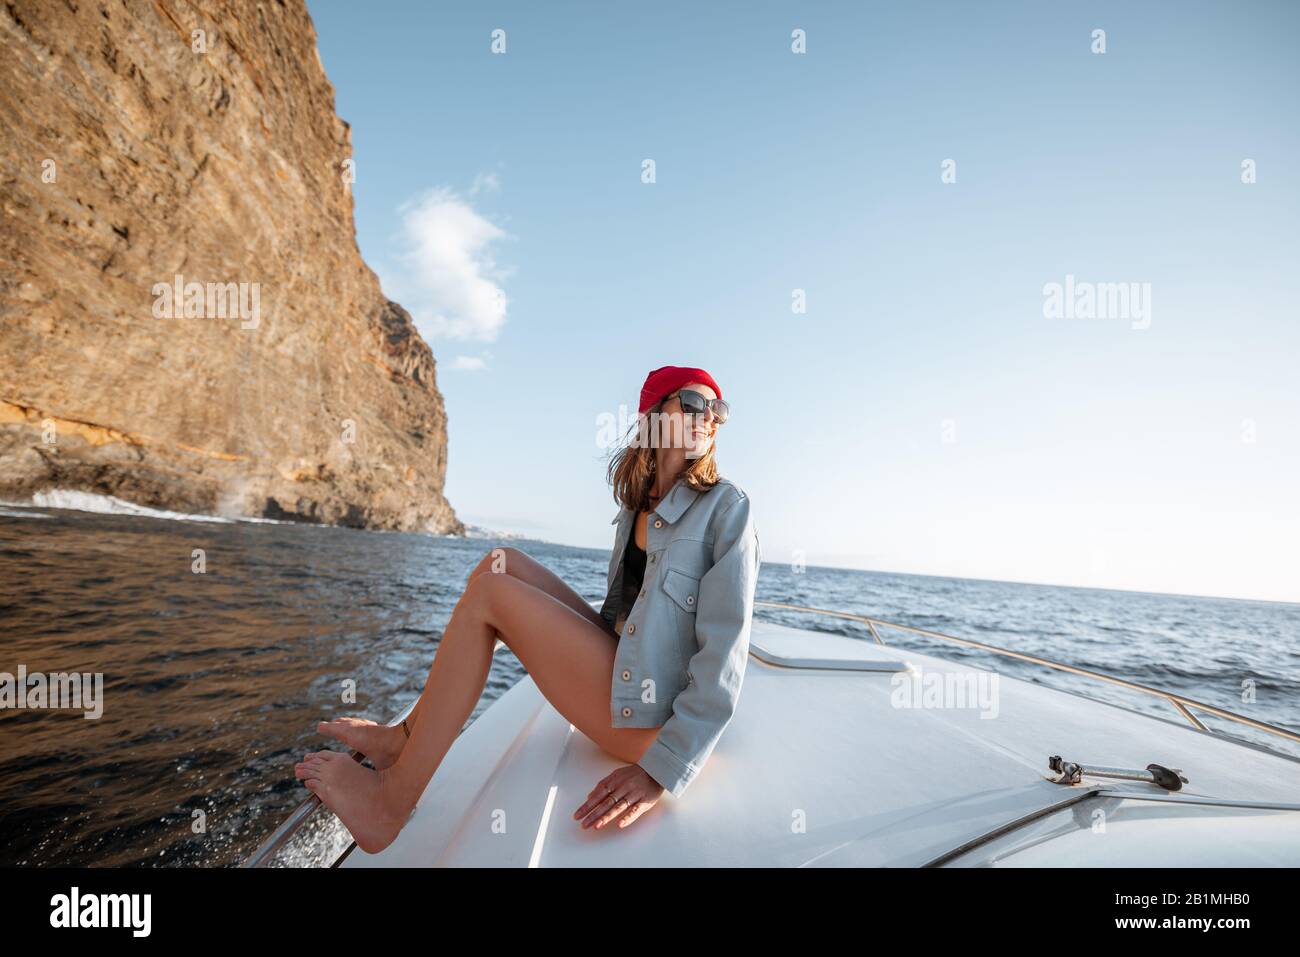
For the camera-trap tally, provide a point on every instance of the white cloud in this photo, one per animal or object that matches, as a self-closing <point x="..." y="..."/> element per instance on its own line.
<point x="447" y="276"/>
<point x="468" y="363"/>
<point x="485" y="181"/>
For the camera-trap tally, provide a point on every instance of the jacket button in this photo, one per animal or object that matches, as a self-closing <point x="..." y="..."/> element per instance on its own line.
<point x="659" y="523"/>
<point x="627" y="676"/>
<point x="652" y="559"/>
<point x="690" y="599"/>
<point x="631" y="629"/>
<point x="627" y="712"/>
<point x="642" y="592"/>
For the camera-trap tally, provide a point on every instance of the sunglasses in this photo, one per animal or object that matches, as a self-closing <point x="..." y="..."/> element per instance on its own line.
<point x="694" y="403"/>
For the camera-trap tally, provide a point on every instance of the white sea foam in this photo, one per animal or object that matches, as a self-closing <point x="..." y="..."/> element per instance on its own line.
<point x="111" y="505"/>
<point x="478" y="531"/>
<point x="20" y="510"/>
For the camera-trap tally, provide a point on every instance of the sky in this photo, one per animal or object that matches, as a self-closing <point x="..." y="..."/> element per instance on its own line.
<point x="883" y="248"/>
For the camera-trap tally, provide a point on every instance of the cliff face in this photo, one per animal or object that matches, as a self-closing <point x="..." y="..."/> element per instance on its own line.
<point x="185" y="320"/>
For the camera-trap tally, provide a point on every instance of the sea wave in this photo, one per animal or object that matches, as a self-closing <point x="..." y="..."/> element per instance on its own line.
<point x="20" y="510"/>
<point x="76" y="501"/>
<point x="479" y="532"/>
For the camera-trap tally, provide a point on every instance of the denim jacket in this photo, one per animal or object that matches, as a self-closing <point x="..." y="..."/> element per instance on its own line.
<point x="685" y="642"/>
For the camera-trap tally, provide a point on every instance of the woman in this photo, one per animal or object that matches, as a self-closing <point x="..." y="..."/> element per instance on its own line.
<point x="653" y="678"/>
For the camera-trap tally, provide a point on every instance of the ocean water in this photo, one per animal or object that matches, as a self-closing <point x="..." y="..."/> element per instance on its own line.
<point x="213" y="682"/>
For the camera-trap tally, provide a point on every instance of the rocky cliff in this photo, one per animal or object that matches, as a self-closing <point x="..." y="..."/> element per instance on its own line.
<point x="185" y="320"/>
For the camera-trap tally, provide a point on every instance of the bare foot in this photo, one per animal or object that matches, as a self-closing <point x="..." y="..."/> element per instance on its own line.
<point x="380" y="743"/>
<point x="365" y="801"/>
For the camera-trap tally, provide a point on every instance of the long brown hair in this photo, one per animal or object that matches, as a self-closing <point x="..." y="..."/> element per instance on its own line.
<point x="631" y="471"/>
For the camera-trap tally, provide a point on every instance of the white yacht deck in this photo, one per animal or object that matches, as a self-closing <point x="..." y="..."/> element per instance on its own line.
<point x="818" y="767"/>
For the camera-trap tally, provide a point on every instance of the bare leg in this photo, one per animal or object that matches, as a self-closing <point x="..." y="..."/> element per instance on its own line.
<point x="519" y="564"/>
<point x="569" y="657"/>
<point x="383" y="744"/>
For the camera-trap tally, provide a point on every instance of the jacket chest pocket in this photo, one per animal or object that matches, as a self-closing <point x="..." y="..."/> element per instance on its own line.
<point x="682" y="589"/>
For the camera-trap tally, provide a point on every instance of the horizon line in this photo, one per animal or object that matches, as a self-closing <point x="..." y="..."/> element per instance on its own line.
<point x="967" y="578"/>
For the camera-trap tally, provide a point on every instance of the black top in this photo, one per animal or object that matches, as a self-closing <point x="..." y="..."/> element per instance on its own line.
<point x="635" y="559"/>
<point x="633" y="576"/>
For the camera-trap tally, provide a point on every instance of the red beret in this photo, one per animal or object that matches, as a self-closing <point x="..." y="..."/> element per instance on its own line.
<point x="668" y="379"/>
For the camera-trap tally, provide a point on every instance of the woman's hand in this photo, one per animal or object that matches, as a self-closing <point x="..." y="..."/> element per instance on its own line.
<point x="625" y="793"/>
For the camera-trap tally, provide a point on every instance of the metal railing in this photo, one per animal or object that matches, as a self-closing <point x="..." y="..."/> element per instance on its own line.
<point x="1179" y="702"/>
